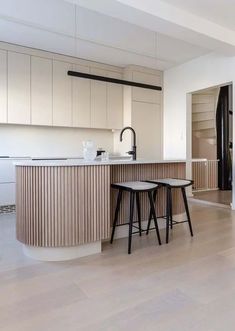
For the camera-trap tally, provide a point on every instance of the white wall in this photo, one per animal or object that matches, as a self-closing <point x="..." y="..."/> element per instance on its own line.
<point x="20" y="140"/>
<point x="203" y="72"/>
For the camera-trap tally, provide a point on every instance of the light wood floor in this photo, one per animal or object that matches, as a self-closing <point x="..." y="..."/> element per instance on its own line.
<point x="220" y="197"/>
<point x="187" y="285"/>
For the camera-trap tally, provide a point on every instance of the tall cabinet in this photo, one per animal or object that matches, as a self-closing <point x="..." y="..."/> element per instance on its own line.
<point x="41" y="91"/>
<point x="62" y="94"/>
<point x="18" y="111"/>
<point x="142" y="111"/>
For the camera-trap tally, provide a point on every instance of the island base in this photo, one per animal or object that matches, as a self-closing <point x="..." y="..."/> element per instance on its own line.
<point x="61" y="253"/>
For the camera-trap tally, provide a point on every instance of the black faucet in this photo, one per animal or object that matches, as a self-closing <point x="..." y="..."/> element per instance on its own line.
<point x="133" y="152"/>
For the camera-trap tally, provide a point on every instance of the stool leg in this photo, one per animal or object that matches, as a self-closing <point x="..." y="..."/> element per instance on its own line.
<point x="151" y="201"/>
<point x="119" y="198"/>
<point x="132" y="196"/>
<point x="170" y="208"/>
<point x="138" y="211"/>
<point x="167" y="213"/>
<point x="187" y="210"/>
<point x="150" y="213"/>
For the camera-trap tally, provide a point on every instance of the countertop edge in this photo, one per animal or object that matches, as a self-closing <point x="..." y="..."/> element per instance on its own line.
<point x="73" y="163"/>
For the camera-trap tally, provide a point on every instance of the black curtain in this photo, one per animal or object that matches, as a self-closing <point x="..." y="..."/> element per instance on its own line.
<point x="222" y="128"/>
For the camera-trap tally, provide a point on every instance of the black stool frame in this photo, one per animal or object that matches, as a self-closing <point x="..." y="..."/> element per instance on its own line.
<point x="169" y="220"/>
<point x="134" y="194"/>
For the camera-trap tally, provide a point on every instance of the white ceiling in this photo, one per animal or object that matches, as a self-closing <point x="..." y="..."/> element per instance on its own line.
<point x="221" y="12"/>
<point x="150" y="33"/>
<point x="105" y="38"/>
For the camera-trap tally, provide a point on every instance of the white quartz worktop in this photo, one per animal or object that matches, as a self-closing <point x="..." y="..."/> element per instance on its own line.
<point x="81" y="162"/>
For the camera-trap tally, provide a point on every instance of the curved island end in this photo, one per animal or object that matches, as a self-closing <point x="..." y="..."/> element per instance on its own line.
<point x="64" y="209"/>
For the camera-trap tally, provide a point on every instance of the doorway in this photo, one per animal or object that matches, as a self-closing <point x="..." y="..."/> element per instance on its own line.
<point x="212" y="145"/>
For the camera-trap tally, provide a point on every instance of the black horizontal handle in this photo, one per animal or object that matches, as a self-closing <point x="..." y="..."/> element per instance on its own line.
<point x="113" y="80"/>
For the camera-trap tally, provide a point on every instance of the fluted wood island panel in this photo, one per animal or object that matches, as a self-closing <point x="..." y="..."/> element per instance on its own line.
<point x="62" y="206"/>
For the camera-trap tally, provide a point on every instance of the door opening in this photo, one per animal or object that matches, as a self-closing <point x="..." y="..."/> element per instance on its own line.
<point x="212" y="145"/>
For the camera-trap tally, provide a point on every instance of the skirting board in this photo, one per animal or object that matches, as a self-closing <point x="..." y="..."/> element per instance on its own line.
<point x="62" y="253"/>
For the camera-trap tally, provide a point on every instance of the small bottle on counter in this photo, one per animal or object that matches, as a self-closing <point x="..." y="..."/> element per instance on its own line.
<point x="100" y="150"/>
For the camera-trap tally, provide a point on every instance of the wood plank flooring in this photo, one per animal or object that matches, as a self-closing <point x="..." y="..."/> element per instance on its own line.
<point x="188" y="284"/>
<point x="220" y="197"/>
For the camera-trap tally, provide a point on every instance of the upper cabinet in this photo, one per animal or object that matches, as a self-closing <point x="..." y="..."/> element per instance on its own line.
<point x="18" y="88"/>
<point x="81" y="99"/>
<point x="3" y="86"/>
<point x="146" y="95"/>
<point x="62" y="94"/>
<point x="98" y="101"/>
<point x="35" y="89"/>
<point x="41" y="91"/>
<point x="114" y="103"/>
<point x="106" y="101"/>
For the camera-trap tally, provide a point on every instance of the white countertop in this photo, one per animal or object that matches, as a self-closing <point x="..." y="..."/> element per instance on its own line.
<point x="81" y="162"/>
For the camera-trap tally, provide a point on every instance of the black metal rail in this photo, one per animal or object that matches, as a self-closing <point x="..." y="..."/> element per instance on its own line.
<point x="113" y="80"/>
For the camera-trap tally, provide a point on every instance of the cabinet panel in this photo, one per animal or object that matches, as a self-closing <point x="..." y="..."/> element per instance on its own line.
<point x="41" y="91"/>
<point x="114" y="103"/>
<point x="81" y="100"/>
<point x="7" y="194"/>
<point x="18" y="88"/>
<point x="98" y="101"/>
<point x="145" y="95"/>
<point x="7" y="171"/>
<point x="3" y="86"/>
<point x="62" y="94"/>
<point x="146" y="120"/>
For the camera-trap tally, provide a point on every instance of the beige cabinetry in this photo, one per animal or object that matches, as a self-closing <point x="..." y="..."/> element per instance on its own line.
<point x="41" y="91"/>
<point x="3" y="86"/>
<point x="106" y="102"/>
<point x="62" y="94"/>
<point x="35" y="89"/>
<point x="114" y="103"/>
<point x="81" y="99"/>
<point x="142" y="111"/>
<point x="18" y="88"/>
<point x="147" y="123"/>
<point x="146" y="95"/>
<point x="98" y="101"/>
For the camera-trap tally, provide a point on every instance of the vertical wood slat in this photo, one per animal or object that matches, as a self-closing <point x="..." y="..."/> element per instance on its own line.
<point x="62" y="206"/>
<point x="122" y="173"/>
<point x="205" y="175"/>
<point x="66" y="206"/>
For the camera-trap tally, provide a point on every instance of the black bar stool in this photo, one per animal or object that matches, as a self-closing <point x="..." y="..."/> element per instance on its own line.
<point x="169" y="184"/>
<point x="135" y="188"/>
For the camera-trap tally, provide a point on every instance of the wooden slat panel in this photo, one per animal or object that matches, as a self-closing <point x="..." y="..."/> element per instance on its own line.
<point x="205" y="175"/>
<point x="67" y="206"/>
<point x="122" y="173"/>
<point x="62" y="206"/>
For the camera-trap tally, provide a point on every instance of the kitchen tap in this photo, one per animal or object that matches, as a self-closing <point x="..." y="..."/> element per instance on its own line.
<point x="133" y="151"/>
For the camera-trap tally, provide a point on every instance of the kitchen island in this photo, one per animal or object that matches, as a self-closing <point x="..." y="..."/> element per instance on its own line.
<point x="64" y="208"/>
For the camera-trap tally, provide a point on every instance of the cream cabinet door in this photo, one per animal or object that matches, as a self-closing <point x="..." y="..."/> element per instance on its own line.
<point x="62" y="94"/>
<point x="81" y="99"/>
<point x="147" y="121"/>
<point x="114" y="103"/>
<point x="146" y="95"/>
<point x="3" y="86"/>
<point x="41" y="91"/>
<point x="18" y="88"/>
<point x="98" y="101"/>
